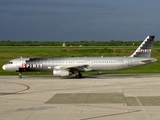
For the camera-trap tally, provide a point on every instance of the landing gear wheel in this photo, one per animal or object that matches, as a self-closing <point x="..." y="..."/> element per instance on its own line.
<point x="78" y="75"/>
<point x="20" y="75"/>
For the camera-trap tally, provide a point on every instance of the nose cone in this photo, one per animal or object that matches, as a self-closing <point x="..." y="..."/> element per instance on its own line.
<point x="4" y="67"/>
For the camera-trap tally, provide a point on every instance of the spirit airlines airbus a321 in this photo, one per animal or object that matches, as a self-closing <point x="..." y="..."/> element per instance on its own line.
<point x="70" y="65"/>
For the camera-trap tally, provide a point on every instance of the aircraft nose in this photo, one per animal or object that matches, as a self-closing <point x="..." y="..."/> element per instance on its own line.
<point x="4" y="67"/>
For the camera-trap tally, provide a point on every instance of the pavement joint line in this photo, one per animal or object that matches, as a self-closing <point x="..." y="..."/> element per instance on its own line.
<point x="124" y="99"/>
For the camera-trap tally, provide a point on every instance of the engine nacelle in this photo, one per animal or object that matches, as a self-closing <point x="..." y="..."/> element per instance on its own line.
<point x="61" y="72"/>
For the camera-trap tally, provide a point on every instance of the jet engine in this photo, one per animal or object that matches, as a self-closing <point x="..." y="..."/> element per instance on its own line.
<point x="61" y="72"/>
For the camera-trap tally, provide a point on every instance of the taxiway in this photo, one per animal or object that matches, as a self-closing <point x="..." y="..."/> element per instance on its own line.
<point x="98" y="97"/>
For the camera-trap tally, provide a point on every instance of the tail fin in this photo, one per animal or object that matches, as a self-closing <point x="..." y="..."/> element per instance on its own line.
<point x="144" y="50"/>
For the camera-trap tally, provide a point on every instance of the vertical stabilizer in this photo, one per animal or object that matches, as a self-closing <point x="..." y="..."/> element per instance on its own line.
<point x="144" y="50"/>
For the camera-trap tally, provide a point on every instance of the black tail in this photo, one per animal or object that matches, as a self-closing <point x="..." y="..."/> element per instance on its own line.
<point x="144" y="50"/>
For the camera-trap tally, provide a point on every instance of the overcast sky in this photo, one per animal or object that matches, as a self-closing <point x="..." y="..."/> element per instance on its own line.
<point x="73" y="20"/>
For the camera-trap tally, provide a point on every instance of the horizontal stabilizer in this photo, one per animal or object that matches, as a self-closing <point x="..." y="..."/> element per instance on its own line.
<point x="150" y="60"/>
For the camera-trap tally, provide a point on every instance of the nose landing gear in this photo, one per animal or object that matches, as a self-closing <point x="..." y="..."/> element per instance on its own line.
<point x="20" y="75"/>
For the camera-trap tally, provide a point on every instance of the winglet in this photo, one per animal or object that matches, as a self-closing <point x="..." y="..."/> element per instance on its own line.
<point x="144" y="50"/>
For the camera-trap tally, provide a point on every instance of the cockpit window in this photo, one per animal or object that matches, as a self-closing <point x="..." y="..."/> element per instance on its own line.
<point x="10" y="62"/>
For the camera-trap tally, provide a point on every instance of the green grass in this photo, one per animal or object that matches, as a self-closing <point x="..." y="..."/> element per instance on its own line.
<point x="10" y="52"/>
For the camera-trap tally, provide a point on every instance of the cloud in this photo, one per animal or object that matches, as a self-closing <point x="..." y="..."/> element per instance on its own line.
<point x="74" y="20"/>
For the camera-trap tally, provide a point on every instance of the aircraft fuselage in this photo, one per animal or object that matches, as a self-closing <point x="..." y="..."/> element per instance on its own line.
<point x="91" y="63"/>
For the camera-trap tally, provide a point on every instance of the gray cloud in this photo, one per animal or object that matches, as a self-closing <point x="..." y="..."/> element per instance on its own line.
<point x="73" y="20"/>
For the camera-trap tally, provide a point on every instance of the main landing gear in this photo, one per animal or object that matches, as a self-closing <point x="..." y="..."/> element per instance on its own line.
<point x="78" y="75"/>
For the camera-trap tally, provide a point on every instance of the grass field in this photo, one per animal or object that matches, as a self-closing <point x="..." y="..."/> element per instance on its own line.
<point x="10" y="52"/>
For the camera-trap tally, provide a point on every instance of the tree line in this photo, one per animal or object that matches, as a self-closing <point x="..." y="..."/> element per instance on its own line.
<point x="73" y="43"/>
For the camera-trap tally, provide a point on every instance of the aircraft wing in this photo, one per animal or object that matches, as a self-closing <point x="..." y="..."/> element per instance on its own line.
<point x="79" y="68"/>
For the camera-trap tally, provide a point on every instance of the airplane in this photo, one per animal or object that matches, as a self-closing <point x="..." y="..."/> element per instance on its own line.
<point x="76" y="65"/>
